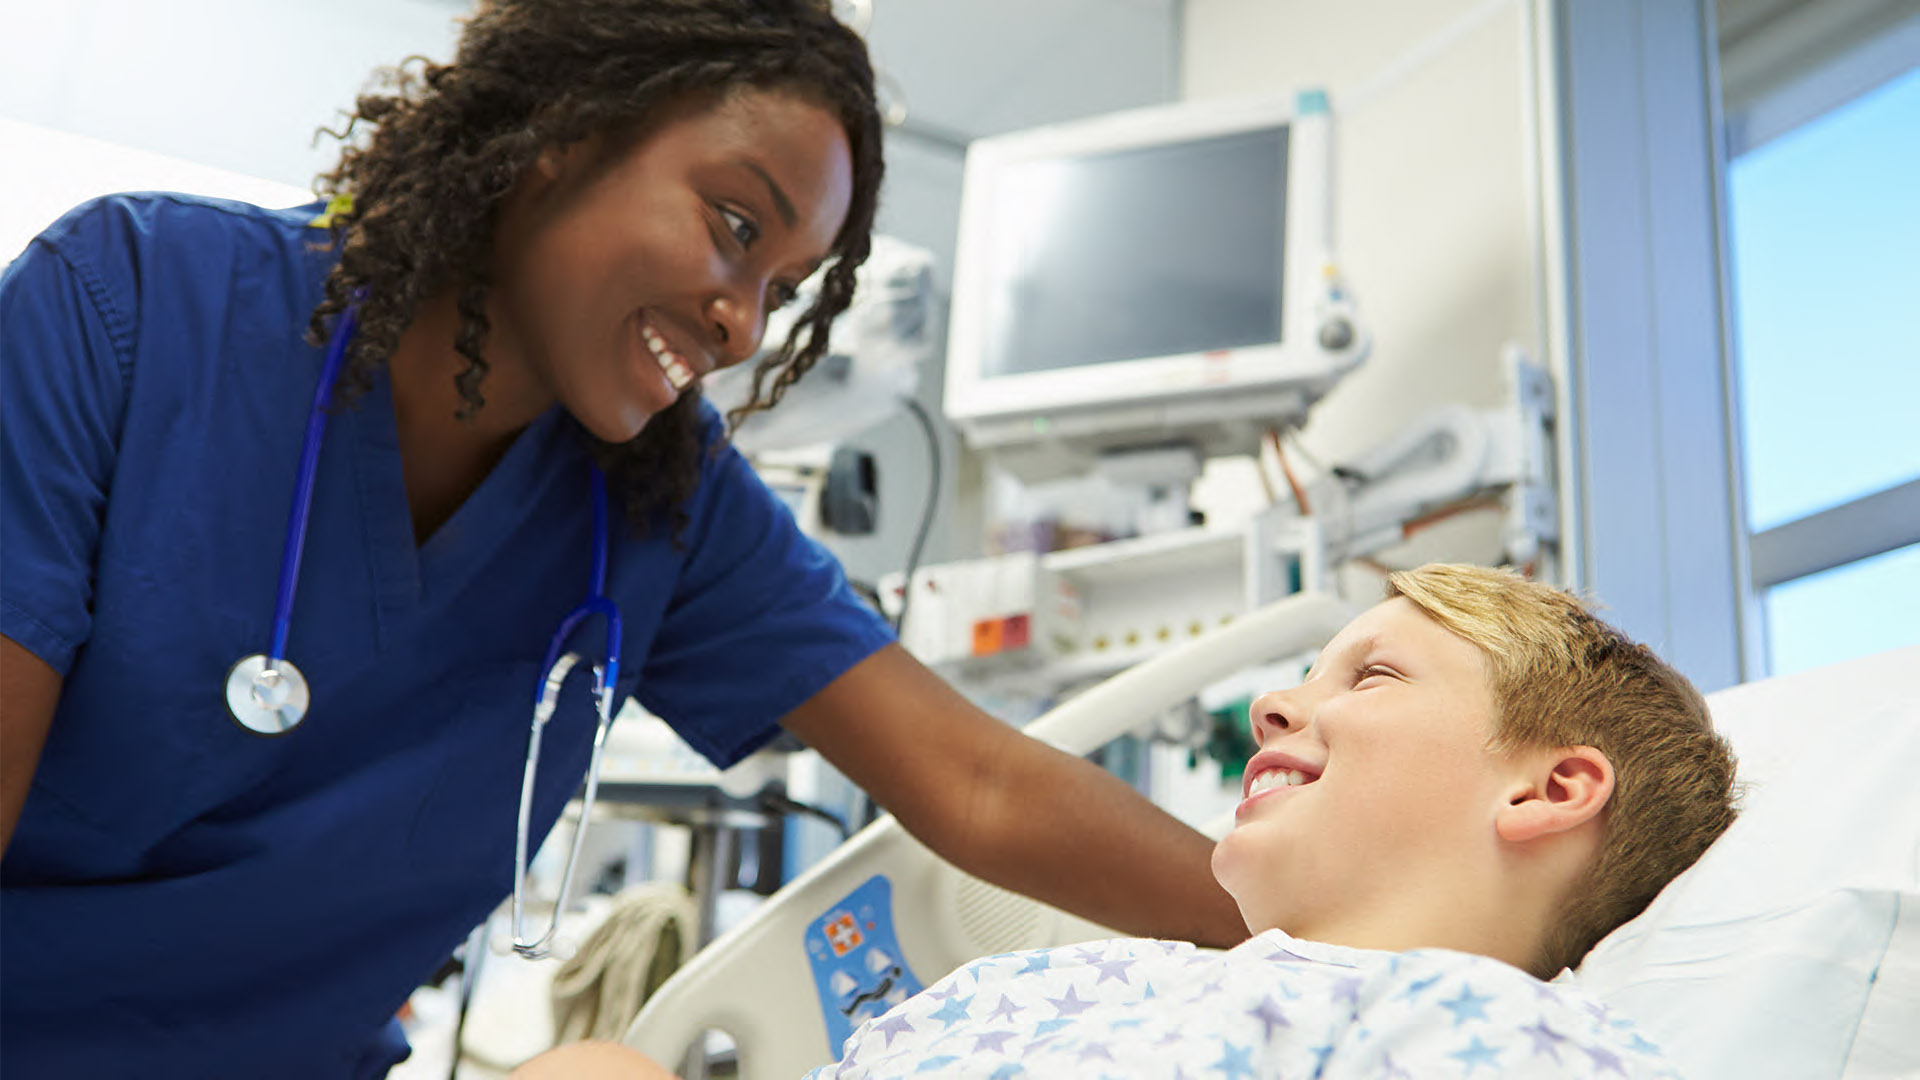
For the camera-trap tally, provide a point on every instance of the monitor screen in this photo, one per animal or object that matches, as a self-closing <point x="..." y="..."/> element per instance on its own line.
<point x="1156" y="251"/>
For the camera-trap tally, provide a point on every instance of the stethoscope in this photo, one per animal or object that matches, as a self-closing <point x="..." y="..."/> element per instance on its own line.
<point x="267" y="694"/>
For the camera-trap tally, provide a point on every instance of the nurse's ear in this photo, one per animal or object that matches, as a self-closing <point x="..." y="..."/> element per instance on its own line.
<point x="559" y="165"/>
<point x="557" y="160"/>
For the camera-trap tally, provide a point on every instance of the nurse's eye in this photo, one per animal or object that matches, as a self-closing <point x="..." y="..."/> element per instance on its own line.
<point x="780" y="295"/>
<point x="740" y="227"/>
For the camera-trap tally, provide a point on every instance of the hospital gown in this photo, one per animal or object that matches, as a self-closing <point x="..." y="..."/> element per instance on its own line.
<point x="1274" y="1006"/>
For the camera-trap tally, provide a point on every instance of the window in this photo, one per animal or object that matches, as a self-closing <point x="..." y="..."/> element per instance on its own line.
<point x="1856" y="609"/>
<point x="1824" y="221"/>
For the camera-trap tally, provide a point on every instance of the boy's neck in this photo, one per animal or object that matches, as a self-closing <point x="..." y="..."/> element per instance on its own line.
<point x="1471" y="913"/>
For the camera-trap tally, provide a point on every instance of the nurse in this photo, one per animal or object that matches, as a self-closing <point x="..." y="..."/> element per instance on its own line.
<point x="550" y="241"/>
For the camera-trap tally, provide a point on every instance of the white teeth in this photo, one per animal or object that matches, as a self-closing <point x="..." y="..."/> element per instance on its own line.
<point x="678" y="373"/>
<point x="1274" y="778"/>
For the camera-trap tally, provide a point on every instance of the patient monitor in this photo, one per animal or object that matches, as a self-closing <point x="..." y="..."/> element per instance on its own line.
<point x="1146" y="275"/>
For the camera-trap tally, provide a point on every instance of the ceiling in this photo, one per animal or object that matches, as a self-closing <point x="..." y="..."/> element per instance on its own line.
<point x="966" y="68"/>
<point x="1767" y="44"/>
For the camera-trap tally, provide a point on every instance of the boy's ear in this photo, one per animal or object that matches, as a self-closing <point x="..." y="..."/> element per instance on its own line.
<point x="1559" y="790"/>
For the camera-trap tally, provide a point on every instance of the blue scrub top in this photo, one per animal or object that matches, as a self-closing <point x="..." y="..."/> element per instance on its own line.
<point x="184" y="898"/>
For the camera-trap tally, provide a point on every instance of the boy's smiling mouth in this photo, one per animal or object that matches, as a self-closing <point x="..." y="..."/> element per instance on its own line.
<point x="1271" y="769"/>
<point x="1274" y="778"/>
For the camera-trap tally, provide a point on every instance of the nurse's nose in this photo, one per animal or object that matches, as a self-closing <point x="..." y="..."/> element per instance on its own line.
<point x="738" y="318"/>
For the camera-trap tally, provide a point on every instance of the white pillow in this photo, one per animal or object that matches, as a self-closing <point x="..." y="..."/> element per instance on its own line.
<point x="1792" y="949"/>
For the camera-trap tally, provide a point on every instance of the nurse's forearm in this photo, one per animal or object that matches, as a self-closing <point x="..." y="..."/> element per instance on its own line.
<point x="1074" y="835"/>
<point x="29" y="689"/>
<point x="1011" y="809"/>
<point x="592" y="1061"/>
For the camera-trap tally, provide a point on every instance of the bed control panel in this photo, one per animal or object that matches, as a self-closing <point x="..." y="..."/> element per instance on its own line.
<point x="857" y="967"/>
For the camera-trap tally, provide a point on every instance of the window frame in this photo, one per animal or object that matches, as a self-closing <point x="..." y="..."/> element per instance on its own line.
<point x="1768" y="105"/>
<point x="1636" y="153"/>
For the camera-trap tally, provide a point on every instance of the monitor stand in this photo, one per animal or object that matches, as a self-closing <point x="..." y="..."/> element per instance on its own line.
<point x="1164" y="472"/>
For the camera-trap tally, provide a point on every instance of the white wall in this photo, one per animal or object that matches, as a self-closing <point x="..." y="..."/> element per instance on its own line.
<point x="44" y="173"/>
<point x="240" y="85"/>
<point x="1434" y="223"/>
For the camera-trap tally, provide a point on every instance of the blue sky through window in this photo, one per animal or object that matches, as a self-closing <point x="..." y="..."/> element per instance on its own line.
<point x="1825" y="225"/>
<point x="1853" y="610"/>
<point x="1826" y="288"/>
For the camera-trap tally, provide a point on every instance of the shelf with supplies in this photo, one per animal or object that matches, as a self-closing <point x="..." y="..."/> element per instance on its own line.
<point x="1042" y="622"/>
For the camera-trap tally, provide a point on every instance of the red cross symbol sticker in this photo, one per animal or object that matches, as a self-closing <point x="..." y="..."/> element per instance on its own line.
<point x="843" y="935"/>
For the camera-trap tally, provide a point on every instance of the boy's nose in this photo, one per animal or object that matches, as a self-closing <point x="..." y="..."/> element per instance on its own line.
<point x="1277" y="712"/>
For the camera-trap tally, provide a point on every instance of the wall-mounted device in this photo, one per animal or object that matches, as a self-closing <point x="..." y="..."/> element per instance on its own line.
<point x="1164" y="273"/>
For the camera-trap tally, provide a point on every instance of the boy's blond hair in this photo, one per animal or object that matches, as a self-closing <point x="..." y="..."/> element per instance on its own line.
<point x="1561" y="677"/>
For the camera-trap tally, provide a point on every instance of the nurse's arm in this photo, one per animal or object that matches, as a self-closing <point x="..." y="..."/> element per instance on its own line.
<point x="1013" y="810"/>
<point x="592" y="1061"/>
<point x="29" y="689"/>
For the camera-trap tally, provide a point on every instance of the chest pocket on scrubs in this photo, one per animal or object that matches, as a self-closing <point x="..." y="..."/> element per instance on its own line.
<point x="140" y="745"/>
<point x="470" y="817"/>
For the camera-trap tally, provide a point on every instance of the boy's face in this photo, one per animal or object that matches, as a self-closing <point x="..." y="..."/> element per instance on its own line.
<point x="1389" y="733"/>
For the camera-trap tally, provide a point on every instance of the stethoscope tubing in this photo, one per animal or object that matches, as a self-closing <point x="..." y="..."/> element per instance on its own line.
<point x="302" y="511"/>
<point x="596" y="602"/>
<point x="554" y="668"/>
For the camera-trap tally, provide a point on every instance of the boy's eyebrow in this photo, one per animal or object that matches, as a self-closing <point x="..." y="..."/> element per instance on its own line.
<point x="780" y="201"/>
<point x="1362" y="647"/>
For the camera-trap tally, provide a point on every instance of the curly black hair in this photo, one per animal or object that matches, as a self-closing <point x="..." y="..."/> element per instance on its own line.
<point x="447" y="142"/>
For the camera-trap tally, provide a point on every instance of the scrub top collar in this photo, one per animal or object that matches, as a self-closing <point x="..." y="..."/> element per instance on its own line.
<point x="411" y="576"/>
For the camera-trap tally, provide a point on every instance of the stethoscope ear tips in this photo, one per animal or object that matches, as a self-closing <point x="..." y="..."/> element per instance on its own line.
<point x="267" y="697"/>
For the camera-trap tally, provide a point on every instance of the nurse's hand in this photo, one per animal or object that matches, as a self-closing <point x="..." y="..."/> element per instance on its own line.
<point x="592" y="1061"/>
<point x="29" y="689"/>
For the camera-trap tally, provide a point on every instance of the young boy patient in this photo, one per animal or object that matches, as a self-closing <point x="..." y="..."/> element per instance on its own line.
<point x="1476" y="782"/>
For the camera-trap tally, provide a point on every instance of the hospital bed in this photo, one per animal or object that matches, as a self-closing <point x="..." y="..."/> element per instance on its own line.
<point x="1791" y="950"/>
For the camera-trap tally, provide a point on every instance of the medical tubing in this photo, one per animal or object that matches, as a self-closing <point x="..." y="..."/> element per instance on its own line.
<point x="303" y="486"/>
<point x="926" y="516"/>
<point x="476" y="949"/>
<point x="779" y="802"/>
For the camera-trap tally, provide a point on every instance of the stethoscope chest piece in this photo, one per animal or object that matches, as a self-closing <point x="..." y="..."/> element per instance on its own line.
<point x="266" y="697"/>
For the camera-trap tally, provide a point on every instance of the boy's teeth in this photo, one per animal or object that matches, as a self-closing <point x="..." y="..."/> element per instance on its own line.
<point x="1271" y="779"/>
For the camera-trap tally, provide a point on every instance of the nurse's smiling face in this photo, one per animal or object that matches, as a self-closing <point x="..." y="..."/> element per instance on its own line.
<point x="623" y="275"/>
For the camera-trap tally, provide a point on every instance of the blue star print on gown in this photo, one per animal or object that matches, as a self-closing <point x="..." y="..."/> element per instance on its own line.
<point x="1275" y="1006"/>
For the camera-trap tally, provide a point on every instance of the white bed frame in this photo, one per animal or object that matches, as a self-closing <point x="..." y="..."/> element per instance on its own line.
<point x="756" y="984"/>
